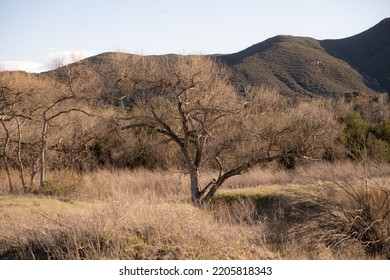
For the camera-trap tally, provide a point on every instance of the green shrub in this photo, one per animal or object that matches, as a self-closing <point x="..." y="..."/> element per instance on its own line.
<point x="354" y="134"/>
<point x="363" y="139"/>
<point x="383" y="131"/>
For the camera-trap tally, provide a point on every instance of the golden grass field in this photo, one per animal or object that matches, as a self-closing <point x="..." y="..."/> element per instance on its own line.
<point x="140" y="214"/>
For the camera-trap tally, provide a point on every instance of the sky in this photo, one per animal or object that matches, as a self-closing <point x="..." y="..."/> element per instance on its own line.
<point x="33" y="33"/>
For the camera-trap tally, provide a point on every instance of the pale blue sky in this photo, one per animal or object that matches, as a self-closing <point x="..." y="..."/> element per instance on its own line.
<point x="40" y="30"/>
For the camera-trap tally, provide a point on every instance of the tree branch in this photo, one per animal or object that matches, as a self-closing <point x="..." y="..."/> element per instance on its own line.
<point x="67" y="111"/>
<point x="234" y="172"/>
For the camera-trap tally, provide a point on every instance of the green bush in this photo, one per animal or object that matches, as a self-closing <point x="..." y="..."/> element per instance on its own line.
<point x="354" y="134"/>
<point x="383" y="131"/>
<point x="364" y="139"/>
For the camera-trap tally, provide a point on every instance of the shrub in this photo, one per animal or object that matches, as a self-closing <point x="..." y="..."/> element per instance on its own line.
<point x="362" y="138"/>
<point x="382" y="132"/>
<point x="357" y="209"/>
<point x="354" y="134"/>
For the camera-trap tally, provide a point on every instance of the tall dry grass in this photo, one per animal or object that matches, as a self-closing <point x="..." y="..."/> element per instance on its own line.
<point x="126" y="230"/>
<point x="356" y="207"/>
<point x="140" y="214"/>
<point x="346" y="213"/>
<point x="118" y="214"/>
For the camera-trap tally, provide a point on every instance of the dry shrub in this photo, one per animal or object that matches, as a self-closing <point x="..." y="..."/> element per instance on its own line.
<point x="356" y="208"/>
<point x="360" y="211"/>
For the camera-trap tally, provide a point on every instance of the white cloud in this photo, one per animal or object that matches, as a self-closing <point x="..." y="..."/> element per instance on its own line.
<point x="28" y="66"/>
<point x="64" y="57"/>
<point x="54" y="58"/>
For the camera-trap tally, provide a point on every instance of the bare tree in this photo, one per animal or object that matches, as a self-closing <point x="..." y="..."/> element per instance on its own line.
<point x="32" y="105"/>
<point x="188" y="100"/>
<point x="69" y="91"/>
<point x="14" y="111"/>
<point x="5" y="153"/>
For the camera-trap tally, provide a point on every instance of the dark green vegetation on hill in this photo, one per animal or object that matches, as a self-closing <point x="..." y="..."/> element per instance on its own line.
<point x="295" y="66"/>
<point x="368" y="53"/>
<point x="305" y="66"/>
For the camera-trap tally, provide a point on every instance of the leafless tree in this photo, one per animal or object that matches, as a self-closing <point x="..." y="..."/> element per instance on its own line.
<point x="69" y="91"/>
<point x="188" y="100"/>
<point x="14" y="112"/>
<point x="33" y="104"/>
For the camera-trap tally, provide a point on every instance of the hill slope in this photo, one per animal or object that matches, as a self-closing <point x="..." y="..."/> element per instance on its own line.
<point x="294" y="65"/>
<point x="368" y="52"/>
<point x="299" y="65"/>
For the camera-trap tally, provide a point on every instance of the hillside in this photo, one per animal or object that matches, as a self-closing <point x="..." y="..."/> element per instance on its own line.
<point x="367" y="52"/>
<point x="305" y="66"/>
<point x="294" y="65"/>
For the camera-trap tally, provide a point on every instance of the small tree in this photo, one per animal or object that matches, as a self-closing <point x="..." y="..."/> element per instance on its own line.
<point x="15" y="109"/>
<point x="30" y="105"/>
<point x="68" y="91"/>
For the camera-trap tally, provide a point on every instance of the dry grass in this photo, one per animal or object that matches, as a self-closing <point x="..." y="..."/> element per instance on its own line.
<point x="356" y="208"/>
<point x="321" y="211"/>
<point x="119" y="230"/>
<point x="121" y="214"/>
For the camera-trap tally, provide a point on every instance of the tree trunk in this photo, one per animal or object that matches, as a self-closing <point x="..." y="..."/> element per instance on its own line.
<point x="233" y="172"/>
<point x="194" y="175"/>
<point x="7" y="170"/>
<point x="195" y="193"/>
<point x="5" y="157"/>
<point x="43" y="152"/>
<point x="194" y="180"/>
<point x="21" y="166"/>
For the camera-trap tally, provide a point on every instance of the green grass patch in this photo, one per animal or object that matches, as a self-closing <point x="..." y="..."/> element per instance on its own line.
<point x="289" y="203"/>
<point x="22" y="209"/>
<point x="36" y="201"/>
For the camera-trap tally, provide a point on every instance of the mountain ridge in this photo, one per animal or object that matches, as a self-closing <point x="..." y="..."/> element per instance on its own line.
<point x="306" y="66"/>
<point x="294" y="65"/>
<point x="302" y="66"/>
<point x="368" y="52"/>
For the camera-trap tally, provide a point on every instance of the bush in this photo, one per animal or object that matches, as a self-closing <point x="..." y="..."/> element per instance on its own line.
<point x="354" y="134"/>
<point x="357" y="209"/>
<point x="364" y="139"/>
<point x="383" y="131"/>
